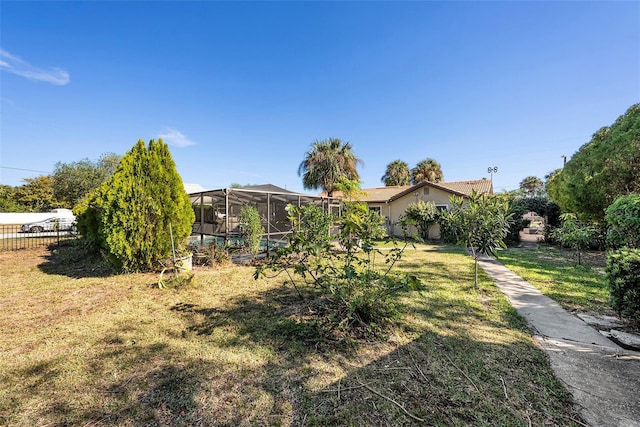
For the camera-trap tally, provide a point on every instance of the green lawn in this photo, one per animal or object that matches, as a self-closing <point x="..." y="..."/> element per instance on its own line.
<point x="82" y="347"/>
<point x="556" y="273"/>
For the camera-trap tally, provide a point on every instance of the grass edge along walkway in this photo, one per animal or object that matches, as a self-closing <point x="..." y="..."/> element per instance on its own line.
<point x="601" y="376"/>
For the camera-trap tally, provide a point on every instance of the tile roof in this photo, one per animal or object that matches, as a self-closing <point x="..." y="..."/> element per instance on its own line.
<point x="459" y="188"/>
<point x="482" y="186"/>
<point x="382" y="194"/>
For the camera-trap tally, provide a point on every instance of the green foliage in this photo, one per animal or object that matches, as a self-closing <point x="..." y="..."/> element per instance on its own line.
<point x="575" y="234"/>
<point x="623" y="272"/>
<point x="326" y="162"/>
<point x="603" y="169"/>
<point x="428" y="170"/>
<point x="623" y="219"/>
<point x="252" y="229"/>
<point x="397" y="173"/>
<point x="36" y="195"/>
<point x="481" y="225"/>
<point x="423" y="215"/>
<point x="8" y="201"/>
<point x="129" y="215"/>
<point x="73" y="181"/>
<point x="358" y="293"/>
<point x="519" y="205"/>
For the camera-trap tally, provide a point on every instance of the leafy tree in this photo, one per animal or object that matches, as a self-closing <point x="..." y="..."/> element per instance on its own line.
<point x="606" y="167"/>
<point x="532" y="185"/>
<point x="36" y="195"/>
<point x="252" y="228"/>
<point x="73" y="181"/>
<point x="423" y="215"/>
<point x="326" y="162"/>
<point x="481" y="225"/>
<point x="575" y="234"/>
<point x="130" y="215"/>
<point x="397" y="173"/>
<point x="623" y="219"/>
<point x="8" y="201"/>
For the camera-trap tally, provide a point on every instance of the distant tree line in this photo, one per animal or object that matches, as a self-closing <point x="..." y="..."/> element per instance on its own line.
<point x="64" y="188"/>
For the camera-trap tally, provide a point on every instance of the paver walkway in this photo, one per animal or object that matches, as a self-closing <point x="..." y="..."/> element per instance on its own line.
<point x="603" y="377"/>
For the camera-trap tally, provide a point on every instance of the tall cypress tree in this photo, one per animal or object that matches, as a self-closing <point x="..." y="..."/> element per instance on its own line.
<point x="130" y="215"/>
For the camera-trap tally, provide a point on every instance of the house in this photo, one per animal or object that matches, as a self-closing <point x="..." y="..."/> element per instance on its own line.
<point x="391" y="202"/>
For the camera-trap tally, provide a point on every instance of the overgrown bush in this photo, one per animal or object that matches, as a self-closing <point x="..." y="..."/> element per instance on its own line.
<point x="141" y="212"/>
<point x="623" y="272"/>
<point x="358" y="293"/>
<point x="210" y="255"/>
<point x="252" y="229"/>
<point x="423" y="215"/>
<point x="623" y="219"/>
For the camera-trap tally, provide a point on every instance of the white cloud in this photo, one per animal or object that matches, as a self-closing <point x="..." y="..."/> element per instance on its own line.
<point x="175" y="138"/>
<point x="15" y="65"/>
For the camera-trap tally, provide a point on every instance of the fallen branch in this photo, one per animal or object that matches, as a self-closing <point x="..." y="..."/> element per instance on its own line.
<point x="463" y="373"/>
<point x="392" y="401"/>
<point x="504" y="387"/>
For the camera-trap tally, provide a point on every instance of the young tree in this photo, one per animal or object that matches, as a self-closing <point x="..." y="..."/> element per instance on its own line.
<point x="481" y="225"/>
<point x="532" y="185"/>
<point x="428" y="170"/>
<point x="135" y="214"/>
<point x="252" y="228"/>
<point x="73" y="181"/>
<point x="397" y="173"/>
<point x="326" y="162"/>
<point x="574" y="233"/>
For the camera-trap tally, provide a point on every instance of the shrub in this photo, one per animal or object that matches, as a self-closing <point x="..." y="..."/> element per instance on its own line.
<point x="141" y="212"/>
<point x="358" y="293"/>
<point x="252" y="228"/>
<point x="423" y="215"/>
<point x="623" y="219"/>
<point x="623" y="272"/>
<point x="212" y="254"/>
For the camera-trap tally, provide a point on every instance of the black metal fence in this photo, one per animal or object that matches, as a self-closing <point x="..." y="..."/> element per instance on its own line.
<point x="13" y="238"/>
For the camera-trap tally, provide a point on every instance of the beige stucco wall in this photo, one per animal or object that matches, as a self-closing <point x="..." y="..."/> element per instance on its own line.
<point x="393" y="211"/>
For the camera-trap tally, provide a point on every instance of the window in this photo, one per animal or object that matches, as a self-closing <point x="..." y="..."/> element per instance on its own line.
<point x="376" y="209"/>
<point x="442" y="207"/>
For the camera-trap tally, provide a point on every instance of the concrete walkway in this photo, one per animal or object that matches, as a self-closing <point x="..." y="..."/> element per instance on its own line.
<point x="603" y="377"/>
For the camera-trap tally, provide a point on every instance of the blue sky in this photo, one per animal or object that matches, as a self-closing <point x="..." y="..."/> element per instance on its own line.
<point x="241" y="90"/>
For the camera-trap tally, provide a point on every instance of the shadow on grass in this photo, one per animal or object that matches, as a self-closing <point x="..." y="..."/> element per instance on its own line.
<point x="262" y="362"/>
<point x="72" y="259"/>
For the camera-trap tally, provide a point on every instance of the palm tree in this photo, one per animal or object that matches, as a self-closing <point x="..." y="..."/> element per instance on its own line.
<point x="326" y="162"/>
<point x="532" y="185"/>
<point x="428" y="170"/>
<point x="397" y="174"/>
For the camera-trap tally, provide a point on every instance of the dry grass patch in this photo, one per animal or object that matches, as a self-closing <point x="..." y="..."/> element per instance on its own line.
<point x="84" y="347"/>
